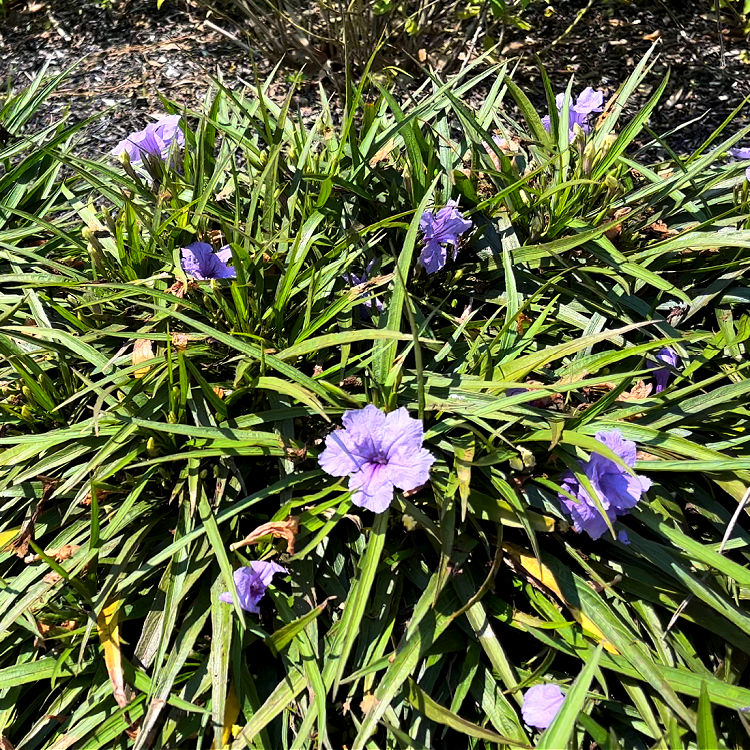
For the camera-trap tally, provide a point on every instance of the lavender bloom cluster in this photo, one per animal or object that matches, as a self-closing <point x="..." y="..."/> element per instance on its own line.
<point x="378" y="452"/>
<point x="201" y="262"/>
<point x="541" y="704"/>
<point x="440" y="230"/>
<point x="664" y="364"/>
<point x="251" y="583"/>
<point x="588" y="102"/>
<point x="619" y="491"/>
<point x="154" y="140"/>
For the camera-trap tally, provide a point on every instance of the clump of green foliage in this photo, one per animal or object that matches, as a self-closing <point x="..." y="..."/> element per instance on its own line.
<point x="333" y="34"/>
<point x="126" y="480"/>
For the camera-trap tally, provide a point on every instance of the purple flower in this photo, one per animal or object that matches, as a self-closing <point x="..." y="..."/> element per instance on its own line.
<point x="352" y="279"/>
<point x="541" y="704"/>
<point x="747" y="174"/>
<point x="251" y="584"/>
<point x="617" y="489"/>
<point x="588" y="102"/>
<point x="378" y="452"/>
<point x="154" y="140"/>
<point x="201" y="262"/>
<point x="441" y="229"/>
<point x="668" y="357"/>
<point x="740" y="153"/>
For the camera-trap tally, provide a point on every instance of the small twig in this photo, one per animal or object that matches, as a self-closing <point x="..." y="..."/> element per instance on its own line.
<point x="727" y="534"/>
<point x="227" y="34"/>
<point x="722" y="60"/>
<point x="473" y="42"/>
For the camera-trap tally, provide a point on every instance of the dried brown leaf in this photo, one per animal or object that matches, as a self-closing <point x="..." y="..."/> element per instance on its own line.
<point x="639" y="391"/>
<point x="178" y="289"/>
<point x="282" y="529"/>
<point x="180" y="341"/>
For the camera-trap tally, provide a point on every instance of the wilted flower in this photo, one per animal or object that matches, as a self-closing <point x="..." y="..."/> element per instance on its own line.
<point x="201" y="262"/>
<point x="541" y="704"/>
<point x="441" y="229"/>
<point x="617" y="489"/>
<point x="510" y="148"/>
<point x="154" y="140"/>
<point x="668" y="357"/>
<point x="251" y="583"/>
<point x="378" y="452"/>
<point x="588" y="102"/>
<point x="353" y="280"/>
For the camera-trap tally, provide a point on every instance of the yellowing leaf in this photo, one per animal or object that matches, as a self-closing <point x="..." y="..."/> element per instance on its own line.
<point x="7" y="536"/>
<point x="107" y="625"/>
<point x="231" y="712"/>
<point x="540" y="572"/>
<point x="142" y="351"/>
<point x="383" y="152"/>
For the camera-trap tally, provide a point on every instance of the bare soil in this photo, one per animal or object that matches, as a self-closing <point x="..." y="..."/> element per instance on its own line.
<point x="129" y="53"/>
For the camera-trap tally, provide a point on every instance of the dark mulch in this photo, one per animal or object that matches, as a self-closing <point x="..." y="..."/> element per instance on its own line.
<point x="708" y="62"/>
<point x="130" y="52"/>
<point x="127" y="54"/>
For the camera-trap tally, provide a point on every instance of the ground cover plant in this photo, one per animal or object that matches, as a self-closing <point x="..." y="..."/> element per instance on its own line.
<point x="424" y="426"/>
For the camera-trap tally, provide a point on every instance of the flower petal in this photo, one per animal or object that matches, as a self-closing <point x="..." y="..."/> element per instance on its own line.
<point x="541" y="704"/>
<point x="266" y="569"/>
<point x="372" y="488"/>
<point x="195" y="258"/>
<point x="409" y="470"/>
<point x="433" y="256"/>
<point x="614" y="440"/>
<point x="361" y="423"/>
<point x="338" y="458"/>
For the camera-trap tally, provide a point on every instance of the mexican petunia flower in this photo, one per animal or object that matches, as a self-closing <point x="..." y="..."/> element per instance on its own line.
<point x="440" y="229"/>
<point x="251" y="583"/>
<point x="353" y="280"/>
<point x="541" y="704"/>
<point x="589" y="101"/>
<point x="154" y="140"/>
<point x="668" y="357"/>
<point x="740" y="153"/>
<point x="201" y="262"/>
<point x="618" y="490"/>
<point x="378" y="452"/>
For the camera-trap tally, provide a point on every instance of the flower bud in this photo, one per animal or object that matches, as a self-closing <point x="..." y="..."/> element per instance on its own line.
<point x="589" y="153"/>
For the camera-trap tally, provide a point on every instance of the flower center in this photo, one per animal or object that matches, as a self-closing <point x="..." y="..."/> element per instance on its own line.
<point x="379" y="458"/>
